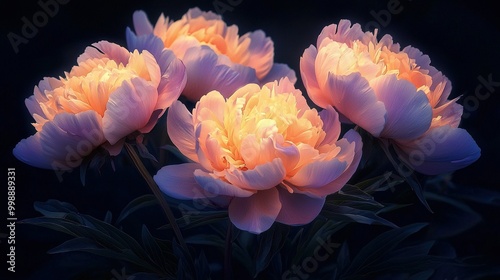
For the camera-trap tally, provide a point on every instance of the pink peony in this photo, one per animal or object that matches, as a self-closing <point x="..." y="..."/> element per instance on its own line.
<point x="110" y="94"/>
<point x="216" y="57"/>
<point x="391" y="93"/>
<point x="263" y="152"/>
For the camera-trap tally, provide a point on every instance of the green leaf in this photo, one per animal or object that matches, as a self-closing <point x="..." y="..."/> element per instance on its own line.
<point x="135" y="205"/>
<point x="379" y="247"/>
<point x="269" y="244"/>
<point x="152" y="248"/>
<point x="343" y="258"/>
<point x="109" y="217"/>
<point x="454" y="217"/>
<point x="202" y="267"/>
<point x="353" y="196"/>
<point x="408" y="174"/>
<point x="144" y="152"/>
<point x="75" y="244"/>
<point x="349" y="214"/>
<point x="54" y="208"/>
<point x="321" y="232"/>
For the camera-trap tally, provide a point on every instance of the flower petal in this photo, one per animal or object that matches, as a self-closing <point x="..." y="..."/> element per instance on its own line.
<point x="178" y="181"/>
<point x="181" y="130"/>
<point x="129" y="109"/>
<point x="104" y="48"/>
<point x="318" y="173"/>
<point x="343" y="32"/>
<point x="262" y="177"/>
<point x="256" y="213"/>
<point x="204" y="67"/>
<point x="210" y="107"/>
<point x="279" y="71"/>
<point x="30" y="151"/>
<point x="442" y="149"/>
<point x="308" y="74"/>
<point x="331" y="125"/>
<point x="261" y="52"/>
<point x="173" y="79"/>
<point x="351" y="138"/>
<point x="298" y="209"/>
<point x="142" y="26"/>
<point x="63" y="142"/>
<point x="215" y="185"/>
<point x="148" y="42"/>
<point x="352" y="96"/>
<point x="409" y="113"/>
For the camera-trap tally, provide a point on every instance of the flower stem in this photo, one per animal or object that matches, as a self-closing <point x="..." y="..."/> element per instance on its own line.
<point x="156" y="191"/>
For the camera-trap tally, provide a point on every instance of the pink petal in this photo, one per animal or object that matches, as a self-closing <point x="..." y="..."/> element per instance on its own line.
<point x="210" y="106"/>
<point x="114" y="149"/>
<point x="261" y="52"/>
<point x="352" y="96"/>
<point x="152" y="121"/>
<point x="308" y="74"/>
<point x="215" y="185"/>
<point x="331" y="125"/>
<point x="205" y="73"/>
<point x="343" y="32"/>
<point x="181" y="130"/>
<point x="178" y="181"/>
<point x="255" y="152"/>
<point x="142" y="26"/>
<point x="63" y="142"/>
<point x="298" y="209"/>
<point x="129" y="109"/>
<point x="30" y="151"/>
<point x="149" y="42"/>
<point x="350" y="139"/>
<point x="104" y="48"/>
<point x="262" y="177"/>
<point x="449" y="113"/>
<point x="34" y="106"/>
<point x="181" y="45"/>
<point x="207" y="148"/>
<point x="318" y="173"/>
<point x="256" y="213"/>
<point x="173" y="79"/>
<point x="409" y="113"/>
<point x="288" y="153"/>
<point x="441" y="150"/>
<point x="279" y="71"/>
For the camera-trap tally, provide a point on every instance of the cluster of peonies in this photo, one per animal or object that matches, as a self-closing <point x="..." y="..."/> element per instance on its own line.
<point x="256" y="146"/>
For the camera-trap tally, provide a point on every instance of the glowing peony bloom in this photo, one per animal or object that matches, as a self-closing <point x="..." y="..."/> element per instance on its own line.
<point x="391" y="93"/>
<point x="262" y="152"/>
<point x="216" y="57"/>
<point x="109" y="95"/>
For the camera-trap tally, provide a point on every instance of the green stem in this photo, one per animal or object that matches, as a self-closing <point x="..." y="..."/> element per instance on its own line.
<point x="156" y="191"/>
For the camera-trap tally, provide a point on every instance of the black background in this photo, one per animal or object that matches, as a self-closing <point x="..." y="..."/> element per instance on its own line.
<point x="461" y="37"/>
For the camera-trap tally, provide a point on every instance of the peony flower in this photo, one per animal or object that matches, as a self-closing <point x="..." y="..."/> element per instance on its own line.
<point x="110" y="94"/>
<point x="391" y="93"/>
<point x="216" y="57"/>
<point x="262" y="152"/>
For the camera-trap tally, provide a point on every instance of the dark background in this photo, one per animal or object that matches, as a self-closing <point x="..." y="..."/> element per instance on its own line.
<point x="461" y="37"/>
